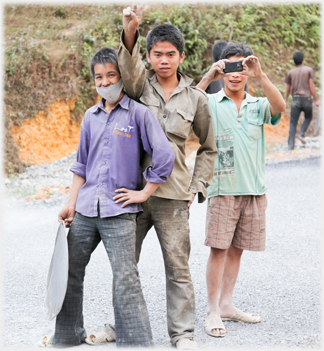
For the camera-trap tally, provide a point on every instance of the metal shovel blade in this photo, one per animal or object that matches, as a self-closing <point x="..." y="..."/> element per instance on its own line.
<point x="57" y="275"/>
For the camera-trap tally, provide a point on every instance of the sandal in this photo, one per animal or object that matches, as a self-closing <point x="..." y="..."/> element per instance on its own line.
<point x="102" y="337"/>
<point x="215" y="323"/>
<point x="242" y="317"/>
<point x="46" y="341"/>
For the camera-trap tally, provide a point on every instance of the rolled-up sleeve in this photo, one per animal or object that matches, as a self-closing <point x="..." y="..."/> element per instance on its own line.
<point x="132" y="69"/>
<point x="266" y="113"/>
<point x="79" y="167"/>
<point x="206" y="154"/>
<point x="156" y="144"/>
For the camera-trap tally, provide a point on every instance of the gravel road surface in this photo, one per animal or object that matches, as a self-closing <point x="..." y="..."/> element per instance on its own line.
<point x="281" y="284"/>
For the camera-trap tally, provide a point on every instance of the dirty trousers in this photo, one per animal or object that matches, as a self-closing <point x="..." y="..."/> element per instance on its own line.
<point x="170" y="221"/>
<point x="298" y="105"/>
<point x="132" y="323"/>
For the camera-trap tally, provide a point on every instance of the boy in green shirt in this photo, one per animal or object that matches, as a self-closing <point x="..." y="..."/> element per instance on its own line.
<point x="236" y="197"/>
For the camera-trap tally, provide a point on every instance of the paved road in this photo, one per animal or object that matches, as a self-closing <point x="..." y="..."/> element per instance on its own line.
<point x="281" y="284"/>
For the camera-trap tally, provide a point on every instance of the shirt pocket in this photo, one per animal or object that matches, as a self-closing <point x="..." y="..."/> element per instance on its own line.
<point x="254" y="128"/>
<point x="180" y="123"/>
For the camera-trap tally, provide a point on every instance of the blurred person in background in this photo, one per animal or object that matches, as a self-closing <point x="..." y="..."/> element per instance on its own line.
<point x="300" y="83"/>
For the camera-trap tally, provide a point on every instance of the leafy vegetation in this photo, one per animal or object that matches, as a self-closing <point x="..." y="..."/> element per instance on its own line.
<point x="47" y="48"/>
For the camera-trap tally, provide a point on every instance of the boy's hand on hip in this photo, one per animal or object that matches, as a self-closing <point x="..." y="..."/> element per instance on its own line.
<point x="132" y="18"/>
<point x="129" y="196"/>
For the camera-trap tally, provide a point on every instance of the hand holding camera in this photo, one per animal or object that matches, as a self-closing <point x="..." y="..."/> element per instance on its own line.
<point x="253" y="67"/>
<point x="249" y="66"/>
<point x="216" y="70"/>
<point x="220" y="68"/>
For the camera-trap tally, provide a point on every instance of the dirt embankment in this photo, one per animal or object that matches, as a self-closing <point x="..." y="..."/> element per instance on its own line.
<point x="46" y="138"/>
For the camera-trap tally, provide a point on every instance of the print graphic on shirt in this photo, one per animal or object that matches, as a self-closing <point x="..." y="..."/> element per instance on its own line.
<point x="254" y="111"/>
<point x="225" y="146"/>
<point x="127" y="130"/>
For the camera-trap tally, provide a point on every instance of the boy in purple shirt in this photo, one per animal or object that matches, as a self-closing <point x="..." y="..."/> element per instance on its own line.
<point x="104" y="201"/>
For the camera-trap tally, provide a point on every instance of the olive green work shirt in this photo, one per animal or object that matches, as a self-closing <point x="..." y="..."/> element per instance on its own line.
<point x="186" y="108"/>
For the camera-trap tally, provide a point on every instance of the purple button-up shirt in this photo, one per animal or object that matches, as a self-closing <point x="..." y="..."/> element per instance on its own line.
<point x="109" y="155"/>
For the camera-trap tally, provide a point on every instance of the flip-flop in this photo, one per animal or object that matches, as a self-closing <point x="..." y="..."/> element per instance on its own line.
<point x="242" y="317"/>
<point x="215" y="323"/>
<point x="46" y="341"/>
<point x="102" y="337"/>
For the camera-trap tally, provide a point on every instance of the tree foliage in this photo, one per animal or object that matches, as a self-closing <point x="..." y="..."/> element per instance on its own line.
<point x="47" y="48"/>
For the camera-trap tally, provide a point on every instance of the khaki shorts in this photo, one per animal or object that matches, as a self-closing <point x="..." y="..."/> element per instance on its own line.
<point x="237" y="220"/>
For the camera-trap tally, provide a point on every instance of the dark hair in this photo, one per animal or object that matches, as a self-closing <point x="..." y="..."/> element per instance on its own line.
<point x="298" y="57"/>
<point x="236" y="49"/>
<point x="217" y="49"/>
<point x="103" y="56"/>
<point x="165" y="32"/>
